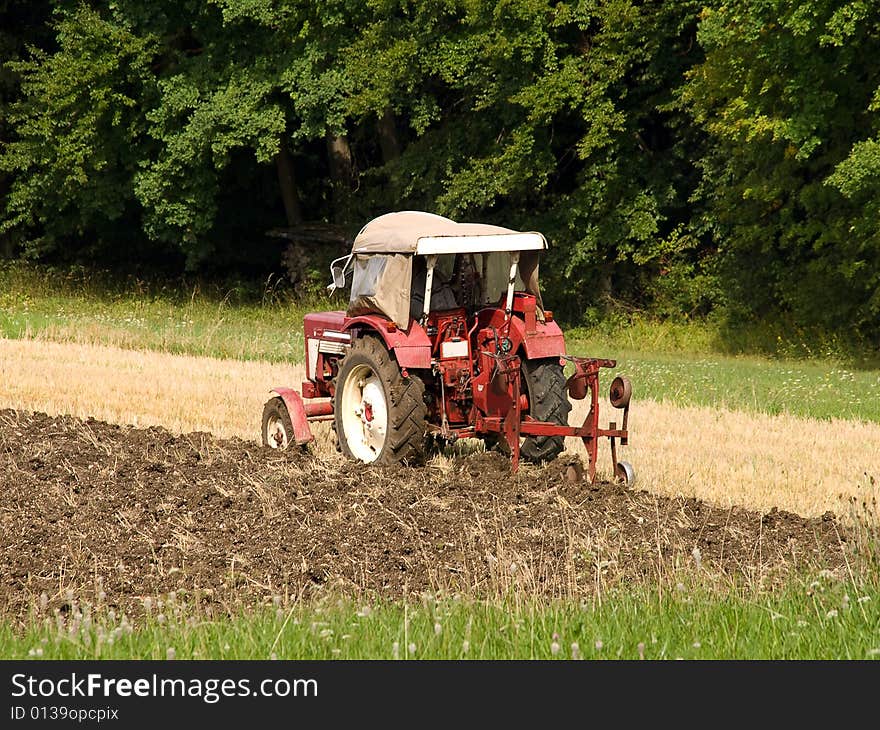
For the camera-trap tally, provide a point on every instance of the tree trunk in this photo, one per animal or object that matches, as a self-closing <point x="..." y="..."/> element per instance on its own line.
<point x="339" y="162"/>
<point x="388" y="136"/>
<point x="605" y="288"/>
<point x="287" y="183"/>
<point x="339" y="159"/>
<point x="292" y="257"/>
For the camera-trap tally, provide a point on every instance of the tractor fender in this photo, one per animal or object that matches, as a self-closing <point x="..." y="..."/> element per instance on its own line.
<point x="546" y="341"/>
<point x="302" y="434"/>
<point x="411" y="347"/>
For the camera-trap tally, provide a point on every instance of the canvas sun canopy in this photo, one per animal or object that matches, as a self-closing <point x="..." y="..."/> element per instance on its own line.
<point x="383" y="278"/>
<point x="412" y="231"/>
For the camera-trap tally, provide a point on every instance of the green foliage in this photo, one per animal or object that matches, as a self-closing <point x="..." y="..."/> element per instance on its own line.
<point x="790" y="175"/>
<point x="687" y="158"/>
<point x="540" y="115"/>
<point x="80" y="131"/>
<point x="198" y="129"/>
<point x="23" y="24"/>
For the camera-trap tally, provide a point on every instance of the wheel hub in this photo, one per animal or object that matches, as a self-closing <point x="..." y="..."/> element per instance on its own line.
<point x="276" y="433"/>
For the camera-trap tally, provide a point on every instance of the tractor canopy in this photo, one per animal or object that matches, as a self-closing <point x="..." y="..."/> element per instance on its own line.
<point x="385" y="280"/>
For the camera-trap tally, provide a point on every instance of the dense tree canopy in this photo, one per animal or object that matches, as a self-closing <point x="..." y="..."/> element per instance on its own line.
<point x="681" y="157"/>
<point x="790" y="175"/>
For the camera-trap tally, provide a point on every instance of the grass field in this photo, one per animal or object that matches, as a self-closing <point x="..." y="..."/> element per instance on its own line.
<point x="820" y="619"/>
<point x="798" y="434"/>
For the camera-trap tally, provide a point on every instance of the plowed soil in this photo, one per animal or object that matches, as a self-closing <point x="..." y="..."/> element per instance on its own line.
<point x="113" y="514"/>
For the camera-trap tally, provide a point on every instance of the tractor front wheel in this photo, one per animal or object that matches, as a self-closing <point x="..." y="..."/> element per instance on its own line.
<point x="277" y="426"/>
<point x="379" y="415"/>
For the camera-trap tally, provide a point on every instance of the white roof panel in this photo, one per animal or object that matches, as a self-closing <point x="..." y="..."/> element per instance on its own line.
<point x="482" y="243"/>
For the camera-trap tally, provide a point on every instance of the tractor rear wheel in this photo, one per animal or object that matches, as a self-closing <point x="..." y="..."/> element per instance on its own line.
<point x="544" y="382"/>
<point x="379" y="415"/>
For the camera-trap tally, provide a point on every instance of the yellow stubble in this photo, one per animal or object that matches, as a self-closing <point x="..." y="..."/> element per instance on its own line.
<point x="803" y="465"/>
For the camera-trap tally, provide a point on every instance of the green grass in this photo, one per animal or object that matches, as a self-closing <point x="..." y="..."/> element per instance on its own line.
<point x="181" y="317"/>
<point x="816" y="389"/>
<point x="821" y="620"/>
<point x="685" y="364"/>
<point x="691" y="364"/>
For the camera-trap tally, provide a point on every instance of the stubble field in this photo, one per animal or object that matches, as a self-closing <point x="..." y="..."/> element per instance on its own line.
<point x="726" y="457"/>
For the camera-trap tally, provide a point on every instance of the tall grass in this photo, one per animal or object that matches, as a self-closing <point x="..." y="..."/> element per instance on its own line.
<point x="183" y="317"/>
<point x="774" y="339"/>
<point x="813" y="389"/>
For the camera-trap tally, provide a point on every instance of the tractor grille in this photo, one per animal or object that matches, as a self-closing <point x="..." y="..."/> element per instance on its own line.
<point x="332" y="348"/>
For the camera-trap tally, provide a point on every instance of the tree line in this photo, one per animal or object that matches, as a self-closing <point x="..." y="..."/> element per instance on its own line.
<point x="682" y="157"/>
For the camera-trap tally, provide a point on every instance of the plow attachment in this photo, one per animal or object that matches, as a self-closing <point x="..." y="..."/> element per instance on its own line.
<point x="584" y="381"/>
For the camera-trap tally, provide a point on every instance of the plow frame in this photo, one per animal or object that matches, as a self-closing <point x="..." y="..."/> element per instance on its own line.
<point x="585" y="379"/>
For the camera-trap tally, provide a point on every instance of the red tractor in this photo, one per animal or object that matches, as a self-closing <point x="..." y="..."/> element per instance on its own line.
<point x="445" y="337"/>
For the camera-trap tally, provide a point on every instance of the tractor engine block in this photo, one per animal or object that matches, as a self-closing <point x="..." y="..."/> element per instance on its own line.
<point x="451" y="393"/>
